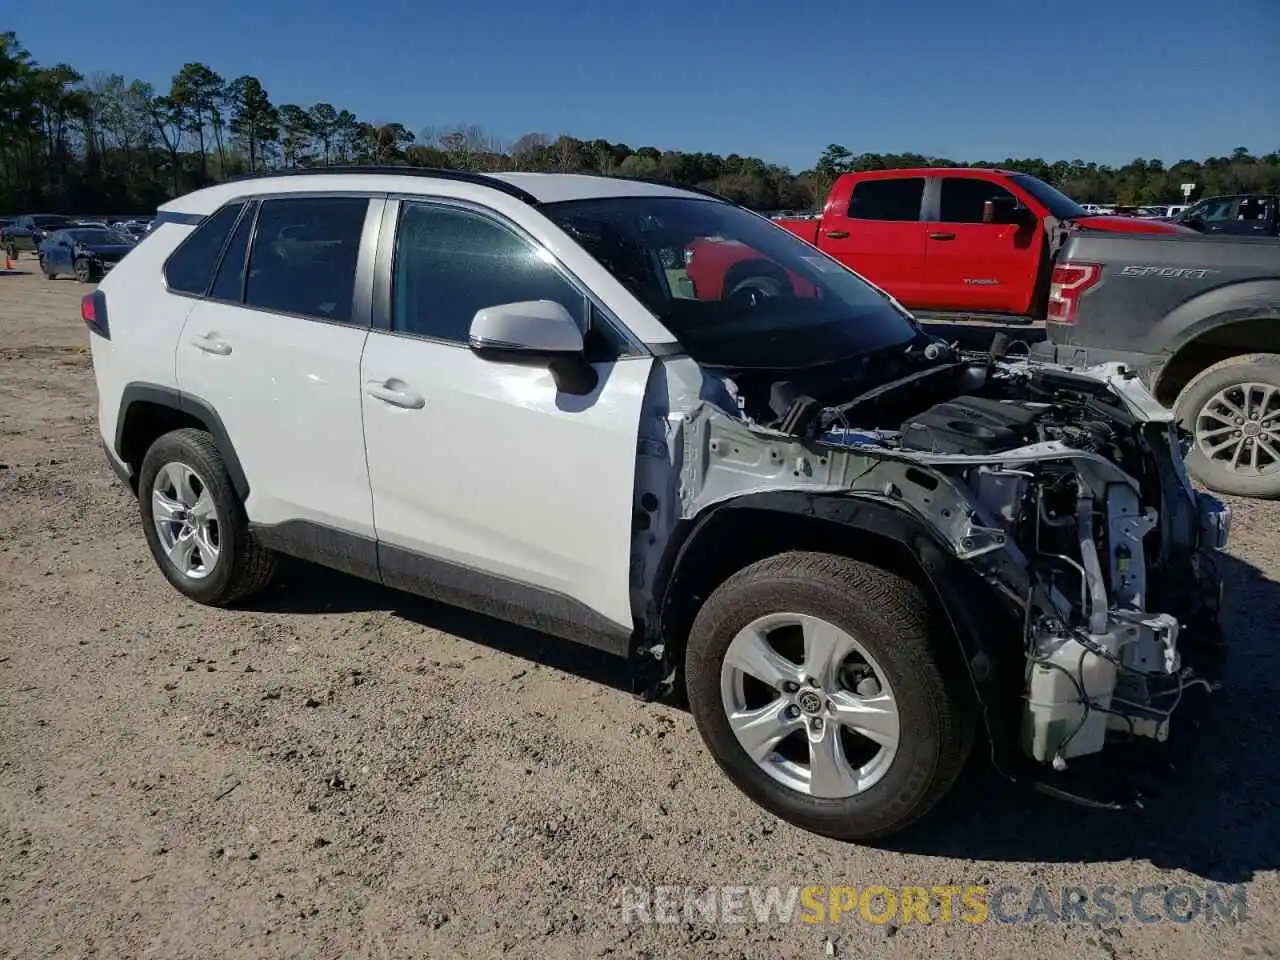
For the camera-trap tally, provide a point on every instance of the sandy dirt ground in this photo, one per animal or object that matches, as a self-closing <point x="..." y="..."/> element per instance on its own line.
<point x="337" y="770"/>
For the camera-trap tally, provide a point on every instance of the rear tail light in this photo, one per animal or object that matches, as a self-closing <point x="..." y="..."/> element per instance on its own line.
<point x="93" y="311"/>
<point x="1069" y="282"/>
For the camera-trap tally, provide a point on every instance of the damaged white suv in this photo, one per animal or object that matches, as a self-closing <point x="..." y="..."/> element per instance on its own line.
<point x="648" y="420"/>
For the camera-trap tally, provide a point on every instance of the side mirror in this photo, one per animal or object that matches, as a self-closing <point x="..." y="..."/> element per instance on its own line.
<point x="539" y="332"/>
<point x="530" y="329"/>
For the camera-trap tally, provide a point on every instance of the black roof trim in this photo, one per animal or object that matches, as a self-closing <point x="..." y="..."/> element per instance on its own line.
<point x="431" y="173"/>
<point x="703" y="191"/>
<point x="186" y="219"/>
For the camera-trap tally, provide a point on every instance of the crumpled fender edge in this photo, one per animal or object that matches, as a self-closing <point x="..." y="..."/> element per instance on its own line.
<point x="983" y="621"/>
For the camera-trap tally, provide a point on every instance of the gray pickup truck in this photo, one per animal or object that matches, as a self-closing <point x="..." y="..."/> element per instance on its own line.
<point x="1198" y="318"/>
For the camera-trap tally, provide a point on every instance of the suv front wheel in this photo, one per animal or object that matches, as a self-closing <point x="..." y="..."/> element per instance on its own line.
<point x="815" y="682"/>
<point x="195" y="524"/>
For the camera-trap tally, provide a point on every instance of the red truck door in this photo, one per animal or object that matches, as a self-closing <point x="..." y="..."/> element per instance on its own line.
<point x="987" y="267"/>
<point x="873" y="224"/>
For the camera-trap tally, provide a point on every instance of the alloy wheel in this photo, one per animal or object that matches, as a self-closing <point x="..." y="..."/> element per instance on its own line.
<point x="1239" y="428"/>
<point x="186" y="520"/>
<point x="810" y="705"/>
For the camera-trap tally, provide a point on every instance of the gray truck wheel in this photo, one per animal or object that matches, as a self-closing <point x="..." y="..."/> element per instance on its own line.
<point x="816" y="683"/>
<point x="1232" y="410"/>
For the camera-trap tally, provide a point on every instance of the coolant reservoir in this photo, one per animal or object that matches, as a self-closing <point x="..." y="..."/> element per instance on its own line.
<point x="1056" y="721"/>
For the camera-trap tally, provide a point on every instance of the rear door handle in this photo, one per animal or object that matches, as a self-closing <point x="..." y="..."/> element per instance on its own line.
<point x="942" y="236"/>
<point x="210" y="343"/>
<point x="392" y="392"/>
<point x="837" y="234"/>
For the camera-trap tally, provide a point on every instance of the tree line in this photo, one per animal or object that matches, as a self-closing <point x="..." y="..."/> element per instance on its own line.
<point x="108" y="144"/>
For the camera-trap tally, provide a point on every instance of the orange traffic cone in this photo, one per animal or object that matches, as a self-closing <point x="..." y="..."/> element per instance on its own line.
<point x="8" y="264"/>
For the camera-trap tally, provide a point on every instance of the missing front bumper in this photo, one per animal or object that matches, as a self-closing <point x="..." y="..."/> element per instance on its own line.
<point x="1215" y="522"/>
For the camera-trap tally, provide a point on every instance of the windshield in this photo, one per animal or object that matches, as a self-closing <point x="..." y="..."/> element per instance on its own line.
<point x="1059" y="204"/>
<point x="735" y="290"/>
<point x="50" y="221"/>
<point x="94" y="236"/>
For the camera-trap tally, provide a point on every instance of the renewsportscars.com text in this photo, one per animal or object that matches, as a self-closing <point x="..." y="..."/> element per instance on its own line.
<point x="877" y="904"/>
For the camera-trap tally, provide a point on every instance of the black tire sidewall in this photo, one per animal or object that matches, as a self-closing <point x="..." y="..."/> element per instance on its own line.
<point x="180" y="447"/>
<point x="1215" y="476"/>
<point x="88" y="270"/>
<point x="897" y="797"/>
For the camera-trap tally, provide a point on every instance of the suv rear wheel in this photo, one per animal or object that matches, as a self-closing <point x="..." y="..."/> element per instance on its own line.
<point x="195" y="524"/>
<point x="1232" y="410"/>
<point x="815" y="683"/>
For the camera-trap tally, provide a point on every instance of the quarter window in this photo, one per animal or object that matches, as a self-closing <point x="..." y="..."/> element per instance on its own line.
<point x="897" y="199"/>
<point x="304" y="256"/>
<point x="963" y="198"/>
<point x="189" y="268"/>
<point x="452" y="262"/>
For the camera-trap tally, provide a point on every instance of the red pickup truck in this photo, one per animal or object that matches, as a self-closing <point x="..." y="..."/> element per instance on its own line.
<point x="946" y="242"/>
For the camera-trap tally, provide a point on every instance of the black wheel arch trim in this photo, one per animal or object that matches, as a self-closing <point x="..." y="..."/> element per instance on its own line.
<point x="1252" y="299"/>
<point x="193" y="406"/>
<point x="983" y="620"/>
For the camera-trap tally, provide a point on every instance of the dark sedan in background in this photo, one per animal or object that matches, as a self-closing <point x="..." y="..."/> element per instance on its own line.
<point x="28" y="232"/>
<point x="87" y="253"/>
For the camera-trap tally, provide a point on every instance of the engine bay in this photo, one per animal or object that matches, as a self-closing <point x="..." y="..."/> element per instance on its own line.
<point x="1075" y="504"/>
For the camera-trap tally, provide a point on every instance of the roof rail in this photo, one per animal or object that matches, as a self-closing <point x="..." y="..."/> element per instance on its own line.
<point x="673" y="185"/>
<point x="435" y="173"/>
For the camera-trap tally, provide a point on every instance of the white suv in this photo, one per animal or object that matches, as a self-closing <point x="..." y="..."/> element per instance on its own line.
<point x="646" y="419"/>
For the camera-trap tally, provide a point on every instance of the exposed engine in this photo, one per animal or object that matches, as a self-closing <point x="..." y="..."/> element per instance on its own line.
<point x="1077" y="503"/>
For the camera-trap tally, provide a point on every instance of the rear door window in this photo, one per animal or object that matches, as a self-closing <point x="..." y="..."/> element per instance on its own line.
<point x="190" y="268"/>
<point x="304" y="256"/>
<point x="896" y="199"/>
<point x="1252" y="208"/>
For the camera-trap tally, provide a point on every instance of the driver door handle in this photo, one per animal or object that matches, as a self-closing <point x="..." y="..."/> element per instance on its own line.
<point x="387" y="391"/>
<point x="837" y="234"/>
<point x="942" y="236"/>
<point x="210" y="343"/>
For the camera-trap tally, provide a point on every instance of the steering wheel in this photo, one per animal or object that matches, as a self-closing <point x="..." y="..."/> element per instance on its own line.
<point x="754" y="291"/>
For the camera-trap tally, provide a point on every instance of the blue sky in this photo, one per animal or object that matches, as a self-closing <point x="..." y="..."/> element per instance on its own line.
<point x="1105" y="80"/>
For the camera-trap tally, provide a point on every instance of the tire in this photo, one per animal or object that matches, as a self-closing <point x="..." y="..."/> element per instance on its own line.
<point x="1200" y="409"/>
<point x="242" y="567"/>
<point x="889" y="619"/>
<point x="45" y="271"/>
<point x="84" y="271"/>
